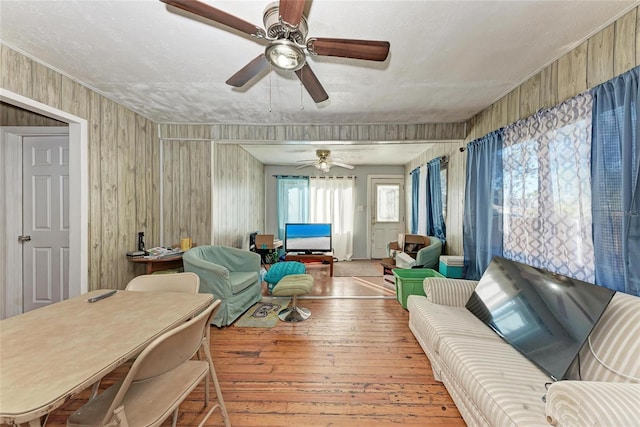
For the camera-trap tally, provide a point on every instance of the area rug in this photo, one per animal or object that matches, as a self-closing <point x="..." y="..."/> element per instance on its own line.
<point x="263" y="314"/>
<point x="357" y="268"/>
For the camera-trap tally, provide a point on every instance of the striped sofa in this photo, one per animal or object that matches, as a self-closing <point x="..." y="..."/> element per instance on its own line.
<point x="492" y="384"/>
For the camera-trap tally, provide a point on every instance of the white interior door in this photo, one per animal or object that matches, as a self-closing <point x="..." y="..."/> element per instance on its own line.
<point x="11" y="202"/>
<point x="387" y="213"/>
<point x="45" y="220"/>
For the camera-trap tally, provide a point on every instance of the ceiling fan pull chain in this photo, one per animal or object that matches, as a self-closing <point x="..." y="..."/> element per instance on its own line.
<point x="301" y="106"/>
<point x="270" y="73"/>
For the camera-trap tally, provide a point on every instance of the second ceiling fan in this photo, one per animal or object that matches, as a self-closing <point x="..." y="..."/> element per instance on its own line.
<point x="287" y="42"/>
<point x="324" y="162"/>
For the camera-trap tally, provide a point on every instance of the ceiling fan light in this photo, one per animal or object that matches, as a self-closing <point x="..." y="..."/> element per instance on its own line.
<point x="285" y="55"/>
<point x="324" y="166"/>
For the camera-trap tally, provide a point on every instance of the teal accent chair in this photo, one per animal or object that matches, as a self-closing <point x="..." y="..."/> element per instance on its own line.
<point x="427" y="256"/>
<point x="232" y="275"/>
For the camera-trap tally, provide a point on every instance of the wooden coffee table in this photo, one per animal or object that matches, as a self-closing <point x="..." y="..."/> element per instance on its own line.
<point x="323" y="258"/>
<point x="387" y="271"/>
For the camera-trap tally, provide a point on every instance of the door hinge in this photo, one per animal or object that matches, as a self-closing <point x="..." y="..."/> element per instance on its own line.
<point x="24" y="239"/>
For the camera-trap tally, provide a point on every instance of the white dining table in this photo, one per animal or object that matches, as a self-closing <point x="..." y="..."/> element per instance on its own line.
<point x="50" y="354"/>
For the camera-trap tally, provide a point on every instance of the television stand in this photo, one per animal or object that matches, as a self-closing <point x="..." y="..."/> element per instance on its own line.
<point x="325" y="258"/>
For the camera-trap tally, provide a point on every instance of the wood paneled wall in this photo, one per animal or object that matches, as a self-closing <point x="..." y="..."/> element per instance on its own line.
<point x="186" y="178"/>
<point x="123" y="165"/>
<point x="363" y="132"/>
<point x="222" y="213"/>
<point x="238" y="201"/>
<point x="11" y="115"/>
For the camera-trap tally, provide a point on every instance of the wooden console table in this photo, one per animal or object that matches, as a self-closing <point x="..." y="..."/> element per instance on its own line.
<point x="323" y="258"/>
<point x="159" y="264"/>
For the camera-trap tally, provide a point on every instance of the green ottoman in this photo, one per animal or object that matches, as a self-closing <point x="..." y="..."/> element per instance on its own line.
<point x="292" y="286"/>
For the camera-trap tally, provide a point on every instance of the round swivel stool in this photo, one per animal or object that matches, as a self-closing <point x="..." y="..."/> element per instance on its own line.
<point x="292" y="286"/>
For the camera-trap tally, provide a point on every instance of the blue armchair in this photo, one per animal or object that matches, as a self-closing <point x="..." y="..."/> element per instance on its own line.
<point x="232" y="275"/>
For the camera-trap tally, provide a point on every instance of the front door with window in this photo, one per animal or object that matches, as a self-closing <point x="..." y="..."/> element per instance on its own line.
<point x="387" y="213"/>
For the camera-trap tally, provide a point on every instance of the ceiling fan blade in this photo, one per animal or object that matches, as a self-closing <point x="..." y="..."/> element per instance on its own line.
<point x="291" y="11"/>
<point x="210" y="12"/>
<point x="312" y="84"/>
<point x="371" y="50"/>
<point x="305" y="166"/>
<point x="342" y="165"/>
<point x="249" y="71"/>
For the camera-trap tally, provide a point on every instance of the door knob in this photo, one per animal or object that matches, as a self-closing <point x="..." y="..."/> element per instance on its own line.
<point x="24" y="238"/>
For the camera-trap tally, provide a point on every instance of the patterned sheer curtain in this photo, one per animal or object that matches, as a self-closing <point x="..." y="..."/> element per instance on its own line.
<point x="615" y="183"/>
<point x="547" y="195"/>
<point x="332" y="200"/>
<point x="293" y="201"/>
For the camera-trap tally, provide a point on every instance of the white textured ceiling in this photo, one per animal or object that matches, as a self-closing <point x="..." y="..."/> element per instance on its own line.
<point x="448" y="59"/>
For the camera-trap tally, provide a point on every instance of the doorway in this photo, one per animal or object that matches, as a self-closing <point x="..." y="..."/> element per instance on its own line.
<point x="386" y="212"/>
<point x="36" y="179"/>
<point x="78" y="253"/>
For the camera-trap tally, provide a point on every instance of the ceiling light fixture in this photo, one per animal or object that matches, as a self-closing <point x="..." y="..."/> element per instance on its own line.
<point x="323" y="165"/>
<point x="285" y="55"/>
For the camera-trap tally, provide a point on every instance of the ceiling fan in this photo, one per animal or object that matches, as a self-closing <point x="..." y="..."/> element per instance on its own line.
<point x="286" y="37"/>
<point x="324" y="162"/>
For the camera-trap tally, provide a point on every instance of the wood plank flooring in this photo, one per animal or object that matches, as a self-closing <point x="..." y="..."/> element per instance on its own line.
<point x="353" y="363"/>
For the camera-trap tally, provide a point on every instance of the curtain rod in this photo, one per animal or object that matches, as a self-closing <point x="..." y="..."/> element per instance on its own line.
<point x="443" y="159"/>
<point x="310" y="176"/>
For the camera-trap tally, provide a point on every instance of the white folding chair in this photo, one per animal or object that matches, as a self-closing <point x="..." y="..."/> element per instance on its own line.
<point x="161" y="378"/>
<point x="176" y="282"/>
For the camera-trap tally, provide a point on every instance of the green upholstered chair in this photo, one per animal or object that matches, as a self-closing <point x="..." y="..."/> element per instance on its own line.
<point x="232" y="275"/>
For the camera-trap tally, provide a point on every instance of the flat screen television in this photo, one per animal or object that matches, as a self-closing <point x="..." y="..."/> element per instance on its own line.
<point x="545" y="316"/>
<point x="307" y="238"/>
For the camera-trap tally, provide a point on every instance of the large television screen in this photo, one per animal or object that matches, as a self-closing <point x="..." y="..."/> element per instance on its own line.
<point x="307" y="238"/>
<point x="545" y="316"/>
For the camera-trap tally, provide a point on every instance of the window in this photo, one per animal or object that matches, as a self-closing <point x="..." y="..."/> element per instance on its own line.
<point x="293" y="201"/>
<point x="388" y="203"/>
<point x="443" y="187"/>
<point x="547" y="195"/>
